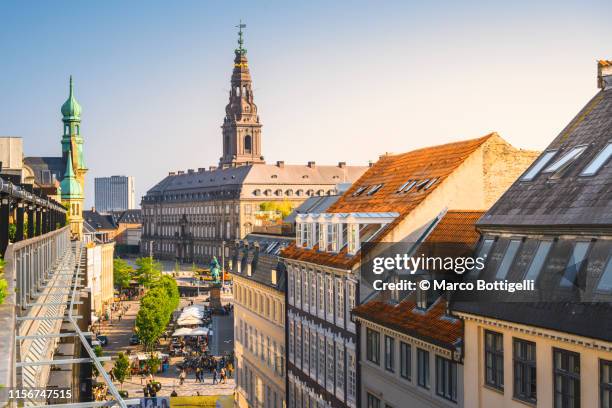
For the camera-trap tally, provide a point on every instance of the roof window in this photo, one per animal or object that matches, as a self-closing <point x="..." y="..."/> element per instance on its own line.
<point x="408" y="187"/>
<point x="539" y="165"/>
<point x="598" y="162"/>
<point x="374" y="189"/>
<point x="566" y="159"/>
<point x="359" y="191"/>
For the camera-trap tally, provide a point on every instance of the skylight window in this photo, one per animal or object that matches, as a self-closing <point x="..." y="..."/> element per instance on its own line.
<point x="403" y="186"/>
<point x="409" y="186"/>
<point x="359" y="190"/>
<point x="505" y="264"/>
<point x="605" y="283"/>
<point x="538" y="260"/>
<point x="598" y="162"/>
<point x="574" y="264"/>
<point x="566" y="159"/>
<point x="374" y="189"/>
<point x="421" y="184"/>
<point x="539" y="165"/>
<point x="431" y="183"/>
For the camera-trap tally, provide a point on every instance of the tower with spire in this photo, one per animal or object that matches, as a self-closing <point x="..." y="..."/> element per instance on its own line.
<point x="241" y="126"/>
<point x="73" y="183"/>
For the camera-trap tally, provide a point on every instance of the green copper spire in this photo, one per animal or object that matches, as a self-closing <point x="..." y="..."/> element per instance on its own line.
<point x="240" y="50"/>
<point x="71" y="110"/>
<point x="70" y="186"/>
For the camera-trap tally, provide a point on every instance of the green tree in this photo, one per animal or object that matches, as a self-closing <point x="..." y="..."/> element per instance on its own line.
<point x="122" y="273"/>
<point x="98" y="352"/>
<point x="283" y="207"/>
<point x="149" y="323"/>
<point x="12" y="232"/>
<point x="153" y="363"/>
<point x="148" y="271"/>
<point x="121" y="368"/>
<point x="3" y="282"/>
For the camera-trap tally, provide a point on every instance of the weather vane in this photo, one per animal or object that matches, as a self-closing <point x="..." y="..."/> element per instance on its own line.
<point x="240" y="49"/>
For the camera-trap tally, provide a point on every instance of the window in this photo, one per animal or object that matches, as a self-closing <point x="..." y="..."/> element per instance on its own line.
<point x="566" y="159"/>
<point x="402" y="187"/>
<point x="605" y="384"/>
<point x="359" y="191"/>
<point x="598" y="162"/>
<point x="525" y="370"/>
<point x="538" y="260"/>
<point x="574" y="264"/>
<point x="340" y="367"/>
<point x="374" y="189"/>
<point x="504" y="266"/>
<point x="405" y="360"/>
<point x="605" y="282"/>
<point x="446" y="378"/>
<point x="483" y="253"/>
<point x="373" y="402"/>
<point x="331" y="363"/>
<point x="247" y="145"/>
<point x="539" y="165"/>
<point x="423" y="368"/>
<point x="351" y="372"/>
<point x="373" y="346"/>
<point x="494" y="359"/>
<point x="389" y="353"/>
<point x="567" y="378"/>
<point x="340" y="301"/>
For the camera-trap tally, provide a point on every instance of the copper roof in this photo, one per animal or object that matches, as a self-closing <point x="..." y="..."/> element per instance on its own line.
<point x="393" y="171"/>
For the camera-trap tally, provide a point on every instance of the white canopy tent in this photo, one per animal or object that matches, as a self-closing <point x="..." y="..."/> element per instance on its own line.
<point x="183" y="331"/>
<point x="189" y="321"/>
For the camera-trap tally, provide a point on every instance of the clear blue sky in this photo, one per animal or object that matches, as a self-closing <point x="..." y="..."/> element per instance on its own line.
<point x="334" y="81"/>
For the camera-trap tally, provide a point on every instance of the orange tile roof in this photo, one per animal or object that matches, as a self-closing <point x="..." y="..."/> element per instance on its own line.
<point x="432" y="325"/>
<point x="457" y="226"/>
<point x="604" y="63"/>
<point x="392" y="171"/>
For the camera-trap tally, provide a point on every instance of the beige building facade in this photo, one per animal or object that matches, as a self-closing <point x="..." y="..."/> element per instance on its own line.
<point x="100" y="275"/>
<point x="259" y="322"/>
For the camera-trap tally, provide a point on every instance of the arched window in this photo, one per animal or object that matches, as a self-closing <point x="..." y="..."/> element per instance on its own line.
<point x="247" y="144"/>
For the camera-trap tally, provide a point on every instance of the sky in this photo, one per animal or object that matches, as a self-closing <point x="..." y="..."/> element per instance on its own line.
<point x="333" y="81"/>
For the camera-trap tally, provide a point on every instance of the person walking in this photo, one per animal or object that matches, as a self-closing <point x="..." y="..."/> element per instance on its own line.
<point x="182" y="376"/>
<point x="214" y="376"/>
<point x="222" y="375"/>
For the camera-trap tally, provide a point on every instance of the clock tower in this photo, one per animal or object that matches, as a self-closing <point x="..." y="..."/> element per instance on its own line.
<point x="241" y="126"/>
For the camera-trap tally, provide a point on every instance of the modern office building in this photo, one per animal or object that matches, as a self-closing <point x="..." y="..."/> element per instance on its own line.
<point x="114" y="193"/>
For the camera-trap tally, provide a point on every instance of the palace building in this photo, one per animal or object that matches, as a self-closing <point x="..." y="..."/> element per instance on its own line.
<point x="191" y="215"/>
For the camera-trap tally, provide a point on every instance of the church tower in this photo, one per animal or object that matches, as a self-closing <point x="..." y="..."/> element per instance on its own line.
<point x="241" y="126"/>
<point x="72" y="141"/>
<point x="73" y="183"/>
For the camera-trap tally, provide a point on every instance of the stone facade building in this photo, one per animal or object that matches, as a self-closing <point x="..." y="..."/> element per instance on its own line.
<point x="394" y="199"/>
<point x="189" y="215"/>
<point x="259" y="283"/>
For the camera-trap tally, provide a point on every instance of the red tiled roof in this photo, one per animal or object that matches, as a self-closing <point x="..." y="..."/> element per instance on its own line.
<point x="392" y="171"/>
<point x="432" y="325"/>
<point x="457" y="226"/>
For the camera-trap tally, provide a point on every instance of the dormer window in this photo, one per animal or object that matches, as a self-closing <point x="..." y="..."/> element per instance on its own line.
<point x="565" y="160"/>
<point x="539" y="165"/>
<point x="598" y="162"/>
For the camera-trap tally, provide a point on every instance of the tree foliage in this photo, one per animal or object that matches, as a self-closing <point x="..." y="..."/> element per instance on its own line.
<point x="156" y="309"/>
<point x="98" y="352"/>
<point x="148" y="271"/>
<point x="122" y="273"/>
<point x="283" y="207"/>
<point x="3" y="282"/>
<point x="121" y="368"/>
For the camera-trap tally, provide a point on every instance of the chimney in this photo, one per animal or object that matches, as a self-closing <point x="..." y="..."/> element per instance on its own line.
<point x="311" y="164"/>
<point x="212" y="168"/>
<point x="370" y="163"/>
<point x="180" y="172"/>
<point x="190" y="171"/>
<point x="171" y="173"/>
<point x="342" y="164"/>
<point x="604" y="74"/>
<point x="280" y="164"/>
<point x="201" y="169"/>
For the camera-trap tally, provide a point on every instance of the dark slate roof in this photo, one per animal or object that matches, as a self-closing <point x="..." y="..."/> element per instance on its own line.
<point x="133" y="216"/>
<point x="570" y="309"/>
<point x="565" y="199"/>
<point x="99" y="221"/>
<point x="45" y="168"/>
<point x="261" y="251"/>
<point x="311" y="205"/>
